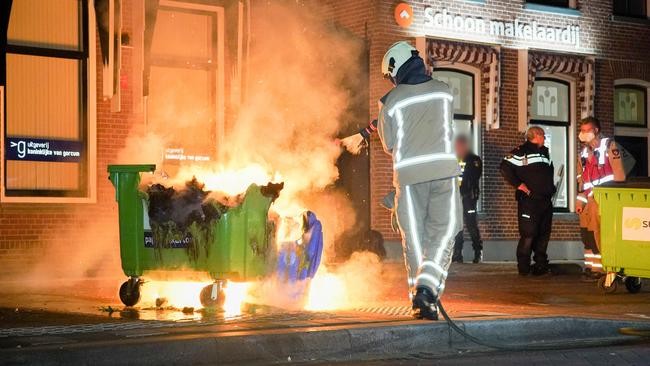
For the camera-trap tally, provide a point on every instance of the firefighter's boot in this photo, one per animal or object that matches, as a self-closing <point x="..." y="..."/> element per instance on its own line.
<point x="424" y="304"/>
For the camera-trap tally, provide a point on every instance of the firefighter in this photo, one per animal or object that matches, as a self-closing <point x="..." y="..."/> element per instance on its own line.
<point x="601" y="160"/>
<point x="415" y="128"/>
<point x="529" y="169"/>
<point x="471" y="168"/>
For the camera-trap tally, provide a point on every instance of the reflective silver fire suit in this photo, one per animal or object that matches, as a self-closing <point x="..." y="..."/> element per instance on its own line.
<point x="415" y="127"/>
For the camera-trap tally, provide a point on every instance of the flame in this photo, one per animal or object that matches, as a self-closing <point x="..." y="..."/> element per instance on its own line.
<point x="327" y="291"/>
<point x="179" y="294"/>
<point x="236" y="296"/>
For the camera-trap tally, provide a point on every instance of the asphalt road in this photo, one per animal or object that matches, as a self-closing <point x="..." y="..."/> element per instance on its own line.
<point x="638" y="354"/>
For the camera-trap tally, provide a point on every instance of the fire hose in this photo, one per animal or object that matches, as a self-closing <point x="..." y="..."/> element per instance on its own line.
<point x="644" y="333"/>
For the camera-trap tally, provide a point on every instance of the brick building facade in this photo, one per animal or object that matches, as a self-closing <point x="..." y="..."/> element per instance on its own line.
<point x="620" y="47"/>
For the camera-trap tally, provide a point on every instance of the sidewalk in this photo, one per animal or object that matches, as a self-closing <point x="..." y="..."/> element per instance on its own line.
<point x="490" y="301"/>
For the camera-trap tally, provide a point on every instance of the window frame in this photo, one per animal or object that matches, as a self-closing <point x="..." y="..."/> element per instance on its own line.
<point x="87" y="117"/>
<point x="569" y="168"/>
<point x="627" y="14"/>
<point x="215" y="69"/>
<point x="476" y="118"/>
<point x="544" y="3"/>
<point x="645" y="110"/>
<point x="636" y="130"/>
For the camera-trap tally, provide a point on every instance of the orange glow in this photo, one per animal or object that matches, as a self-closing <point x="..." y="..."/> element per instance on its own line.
<point x="327" y="291"/>
<point x="179" y="294"/>
<point x="236" y="295"/>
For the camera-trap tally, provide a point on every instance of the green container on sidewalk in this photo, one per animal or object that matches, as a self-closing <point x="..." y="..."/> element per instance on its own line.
<point x="625" y="227"/>
<point x="236" y="247"/>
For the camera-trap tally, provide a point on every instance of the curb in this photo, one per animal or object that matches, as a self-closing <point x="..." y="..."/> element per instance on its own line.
<point x="362" y="342"/>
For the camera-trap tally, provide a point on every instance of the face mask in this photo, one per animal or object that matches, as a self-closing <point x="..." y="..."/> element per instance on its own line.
<point x="586" y="137"/>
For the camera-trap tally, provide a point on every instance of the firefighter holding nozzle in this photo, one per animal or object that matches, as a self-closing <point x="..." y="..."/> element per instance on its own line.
<point x="415" y="128"/>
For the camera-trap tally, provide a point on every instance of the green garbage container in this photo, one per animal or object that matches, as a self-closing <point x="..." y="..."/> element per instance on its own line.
<point x="236" y="247"/>
<point x="624" y="233"/>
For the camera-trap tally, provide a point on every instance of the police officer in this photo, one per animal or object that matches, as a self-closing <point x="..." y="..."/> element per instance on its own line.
<point x="471" y="168"/>
<point x="415" y="127"/>
<point x="529" y="169"/>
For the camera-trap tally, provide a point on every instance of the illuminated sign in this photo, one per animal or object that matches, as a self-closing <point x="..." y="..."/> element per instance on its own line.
<point x="513" y="32"/>
<point x="29" y="149"/>
<point x="636" y="224"/>
<point x="404" y="15"/>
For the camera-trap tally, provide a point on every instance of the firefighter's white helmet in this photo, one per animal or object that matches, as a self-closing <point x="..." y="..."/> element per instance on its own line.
<point x="395" y="57"/>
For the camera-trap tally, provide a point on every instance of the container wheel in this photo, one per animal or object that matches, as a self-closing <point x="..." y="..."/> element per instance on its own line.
<point x="607" y="289"/>
<point x="213" y="295"/>
<point x="130" y="292"/>
<point x="633" y="284"/>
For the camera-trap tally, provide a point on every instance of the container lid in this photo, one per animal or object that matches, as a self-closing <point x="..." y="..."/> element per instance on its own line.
<point x="135" y="168"/>
<point x="635" y="182"/>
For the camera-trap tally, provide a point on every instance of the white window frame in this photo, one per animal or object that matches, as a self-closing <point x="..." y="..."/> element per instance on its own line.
<point x="476" y="123"/>
<point x="220" y="94"/>
<point x="570" y="170"/>
<point x="477" y="131"/>
<point x="91" y="144"/>
<point x="635" y="131"/>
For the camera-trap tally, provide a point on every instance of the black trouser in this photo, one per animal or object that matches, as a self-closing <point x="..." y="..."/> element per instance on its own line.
<point x="469" y="216"/>
<point x="535" y="218"/>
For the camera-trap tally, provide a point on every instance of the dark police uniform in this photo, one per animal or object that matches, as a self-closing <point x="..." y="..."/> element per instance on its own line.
<point x="472" y="169"/>
<point x="531" y="165"/>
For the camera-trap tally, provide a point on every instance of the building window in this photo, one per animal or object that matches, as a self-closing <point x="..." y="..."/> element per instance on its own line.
<point x="186" y="68"/>
<point x="630" y="8"/>
<point x="46" y="132"/>
<point x="550" y="109"/>
<point x="464" y="90"/>
<point x="631" y="123"/>
<point x="560" y="3"/>
<point x="630" y="106"/>
<point x="462" y="87"/>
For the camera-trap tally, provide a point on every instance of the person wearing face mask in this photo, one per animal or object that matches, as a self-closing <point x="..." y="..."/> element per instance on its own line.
<point x="529" y="169"/>
<point x="600" y="161"/>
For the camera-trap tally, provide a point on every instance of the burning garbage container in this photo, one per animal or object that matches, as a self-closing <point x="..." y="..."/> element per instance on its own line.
<point x="229" y="243"/>
<point x="624" y="233"/>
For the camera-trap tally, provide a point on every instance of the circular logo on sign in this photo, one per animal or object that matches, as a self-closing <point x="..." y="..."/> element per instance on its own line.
<point x="633" y="223"/>
<point x="404" y="15"/>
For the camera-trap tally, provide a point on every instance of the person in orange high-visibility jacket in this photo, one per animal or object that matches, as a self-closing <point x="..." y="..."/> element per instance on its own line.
<point x="600" y="161"/>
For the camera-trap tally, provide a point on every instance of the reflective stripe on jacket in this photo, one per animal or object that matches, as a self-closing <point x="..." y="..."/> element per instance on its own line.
<point x="415" y="127"/>
<point x="597" y="166"/>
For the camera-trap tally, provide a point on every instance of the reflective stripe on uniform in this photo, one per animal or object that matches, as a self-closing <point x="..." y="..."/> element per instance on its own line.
<point x="424" y="159"/>
<point x="471" y="211"/>
<point x="597" y="265"/>
<point x="596" y="182"/>
<point x="412" y="226"/>
<point x="526" y="216"/>
<point x="582" y="199"/>
<point x="528" y="159"/>
<point x="419" y="99"/>
<point x="435" y="266"/>
<point x="602" y="151"/>
<point x="397" y="111"/>
<point x="428" y="277"/>
<point x="450" y="226"/>
<point x="400" y="135"/>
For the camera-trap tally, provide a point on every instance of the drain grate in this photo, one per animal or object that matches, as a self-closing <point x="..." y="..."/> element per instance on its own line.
<point x="399" y="311"/>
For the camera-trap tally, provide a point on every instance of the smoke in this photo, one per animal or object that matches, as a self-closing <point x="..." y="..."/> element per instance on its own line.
<point x="302" y="73"/>
<point x="354" y="284"/>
